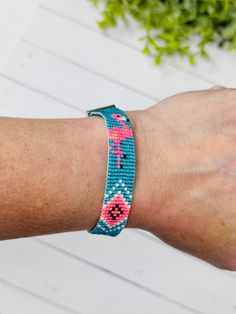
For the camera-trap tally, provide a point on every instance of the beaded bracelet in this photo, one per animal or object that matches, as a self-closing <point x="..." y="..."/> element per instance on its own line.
<point x="120" y="171"/>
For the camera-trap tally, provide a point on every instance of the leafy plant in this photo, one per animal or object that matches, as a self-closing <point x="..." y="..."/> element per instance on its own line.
<point x="171" y="25"/>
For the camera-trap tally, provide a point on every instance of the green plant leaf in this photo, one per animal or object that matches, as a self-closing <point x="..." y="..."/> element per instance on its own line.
<point x="171" y="25"/>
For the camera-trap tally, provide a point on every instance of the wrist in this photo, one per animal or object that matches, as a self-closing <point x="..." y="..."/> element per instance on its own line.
<point x="97" y="157"/>
<point x="137" y="212"/>
<point x="88" y="157"/>
<point x="153" y="192"/>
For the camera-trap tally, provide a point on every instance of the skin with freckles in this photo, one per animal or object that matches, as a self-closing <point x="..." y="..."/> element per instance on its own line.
<point x="48" y="171"/>
<point x="53" y="172"/>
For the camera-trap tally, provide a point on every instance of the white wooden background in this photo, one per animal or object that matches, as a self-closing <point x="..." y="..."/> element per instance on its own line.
<point x="14" y="18"/>
<point x="62" y="66"/>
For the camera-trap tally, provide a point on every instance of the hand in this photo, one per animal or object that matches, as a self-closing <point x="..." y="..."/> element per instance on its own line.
<point x="185" y="190"/>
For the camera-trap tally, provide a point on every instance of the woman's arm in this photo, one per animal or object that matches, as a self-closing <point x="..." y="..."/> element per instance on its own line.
<point x="52" y="174"/>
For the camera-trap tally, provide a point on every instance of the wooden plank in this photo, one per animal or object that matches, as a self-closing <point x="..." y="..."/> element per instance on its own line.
<point x="85" y="14"/>
<point x="74" y="283"/>
<point x="14" y="18"/>
<point x="121" y="64"/>
<point x="218" y="70"/>
<point x="81" y="11"/>
<point x="67" y="82"/>
<point x="19" y="101"/>
<point x="17" y="301"/>
<point x="155" y="266"/>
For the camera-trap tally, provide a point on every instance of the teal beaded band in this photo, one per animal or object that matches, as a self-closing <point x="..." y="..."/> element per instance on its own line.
<point x="120" y="171"/>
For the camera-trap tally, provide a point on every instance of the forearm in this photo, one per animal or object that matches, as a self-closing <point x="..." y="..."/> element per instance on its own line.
<point x="52" y="175"/>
